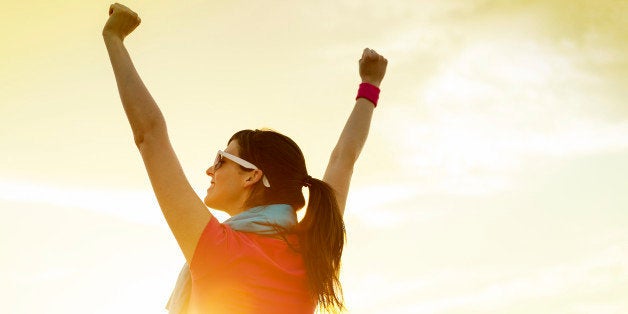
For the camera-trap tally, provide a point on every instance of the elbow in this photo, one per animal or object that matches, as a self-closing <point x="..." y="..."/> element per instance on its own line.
<point x="138" y="139"/>
<point x="344" y="156"/>
<point x="152" y="131"/>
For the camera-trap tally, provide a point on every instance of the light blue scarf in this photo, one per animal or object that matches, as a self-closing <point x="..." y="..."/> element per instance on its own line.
<point x="260" y="220"/>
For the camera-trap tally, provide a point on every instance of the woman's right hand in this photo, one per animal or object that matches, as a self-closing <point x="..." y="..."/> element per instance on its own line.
<point x="372" y="67"/>
<point x="122" y="21"/>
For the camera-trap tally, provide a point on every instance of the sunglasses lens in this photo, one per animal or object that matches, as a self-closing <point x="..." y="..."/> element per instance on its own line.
<point x="217" y="162"/>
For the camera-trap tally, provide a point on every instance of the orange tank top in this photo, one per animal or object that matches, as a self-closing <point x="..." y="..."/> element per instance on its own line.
<point x="240" y="272"/>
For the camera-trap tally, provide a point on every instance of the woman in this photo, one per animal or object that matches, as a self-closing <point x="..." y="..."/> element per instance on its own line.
<point x="261" y="260"/>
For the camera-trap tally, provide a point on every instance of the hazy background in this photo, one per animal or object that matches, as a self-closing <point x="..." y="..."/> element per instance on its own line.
<point x="494" y="179"/>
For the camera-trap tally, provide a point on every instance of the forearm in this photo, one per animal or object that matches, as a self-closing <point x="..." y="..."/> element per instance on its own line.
<point x="139" y="106"/>
<point x="355" y="132"/>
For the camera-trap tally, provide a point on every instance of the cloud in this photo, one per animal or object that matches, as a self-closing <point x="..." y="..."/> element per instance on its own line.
<point x="389" y="206"/>
<point x="451" y="290"/>
<point x="499" y="100"/>
<point x="139" y="206"/>
<point x="132" y="205"/>
<point x="366" y="203"/>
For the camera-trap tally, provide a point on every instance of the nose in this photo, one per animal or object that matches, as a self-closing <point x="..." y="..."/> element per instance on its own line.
<point x="210" y="171"/>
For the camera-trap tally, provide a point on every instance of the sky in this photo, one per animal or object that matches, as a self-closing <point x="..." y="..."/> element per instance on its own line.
<point x="493" y="179"/>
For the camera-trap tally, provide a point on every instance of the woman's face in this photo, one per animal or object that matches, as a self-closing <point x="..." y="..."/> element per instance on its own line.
<point x="227" y="190"/>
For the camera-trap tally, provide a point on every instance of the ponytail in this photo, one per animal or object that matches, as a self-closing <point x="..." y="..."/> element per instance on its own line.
<point x="321" y="232"/>
<point x="321" y="239"/>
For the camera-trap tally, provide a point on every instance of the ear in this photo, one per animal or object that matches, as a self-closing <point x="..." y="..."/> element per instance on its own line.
<point x="253" y="177"/>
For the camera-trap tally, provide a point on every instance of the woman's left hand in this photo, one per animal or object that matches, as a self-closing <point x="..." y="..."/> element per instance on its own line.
<point x="372" y="67"/>
<point x="122" y="21"/>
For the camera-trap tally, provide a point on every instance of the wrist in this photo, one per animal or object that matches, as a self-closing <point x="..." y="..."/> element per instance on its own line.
<point x="111" y="38"/>
<point x="374" y="83"/>
<point x="368" y="91"/>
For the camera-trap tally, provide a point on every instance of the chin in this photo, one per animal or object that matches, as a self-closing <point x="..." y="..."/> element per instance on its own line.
<point x="211" y="203"/>
<point x="207" y="201"/>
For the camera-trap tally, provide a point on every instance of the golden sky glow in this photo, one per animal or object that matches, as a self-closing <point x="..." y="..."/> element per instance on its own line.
<point x="493" y="181"/>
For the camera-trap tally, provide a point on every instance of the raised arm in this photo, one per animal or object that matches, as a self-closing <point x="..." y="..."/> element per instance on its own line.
<point x="183" y="209"/>
<point x="356" y="130"/>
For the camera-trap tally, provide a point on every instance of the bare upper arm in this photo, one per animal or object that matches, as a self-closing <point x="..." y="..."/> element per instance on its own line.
<point x="347" y="150"/>
<point x="338" y="176"/>
<point x="184" y="211"/>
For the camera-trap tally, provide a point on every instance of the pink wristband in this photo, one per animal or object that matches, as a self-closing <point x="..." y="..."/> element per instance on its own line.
<point x="368" y="91"/>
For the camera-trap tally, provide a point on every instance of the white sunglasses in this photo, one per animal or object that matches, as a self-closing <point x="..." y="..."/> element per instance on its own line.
<point x="239" y="161"/>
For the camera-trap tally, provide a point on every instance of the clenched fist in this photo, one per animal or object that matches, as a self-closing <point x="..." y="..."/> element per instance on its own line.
<point x="122" y="21"/>
<point x="372" y="67"/>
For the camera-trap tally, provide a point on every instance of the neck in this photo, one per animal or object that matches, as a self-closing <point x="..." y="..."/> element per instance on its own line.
<point x="239" y="205"/>
<point x="232" y="211"/>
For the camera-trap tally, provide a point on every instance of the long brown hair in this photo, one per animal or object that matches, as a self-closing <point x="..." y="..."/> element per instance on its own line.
<point x="321" y="231"/>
